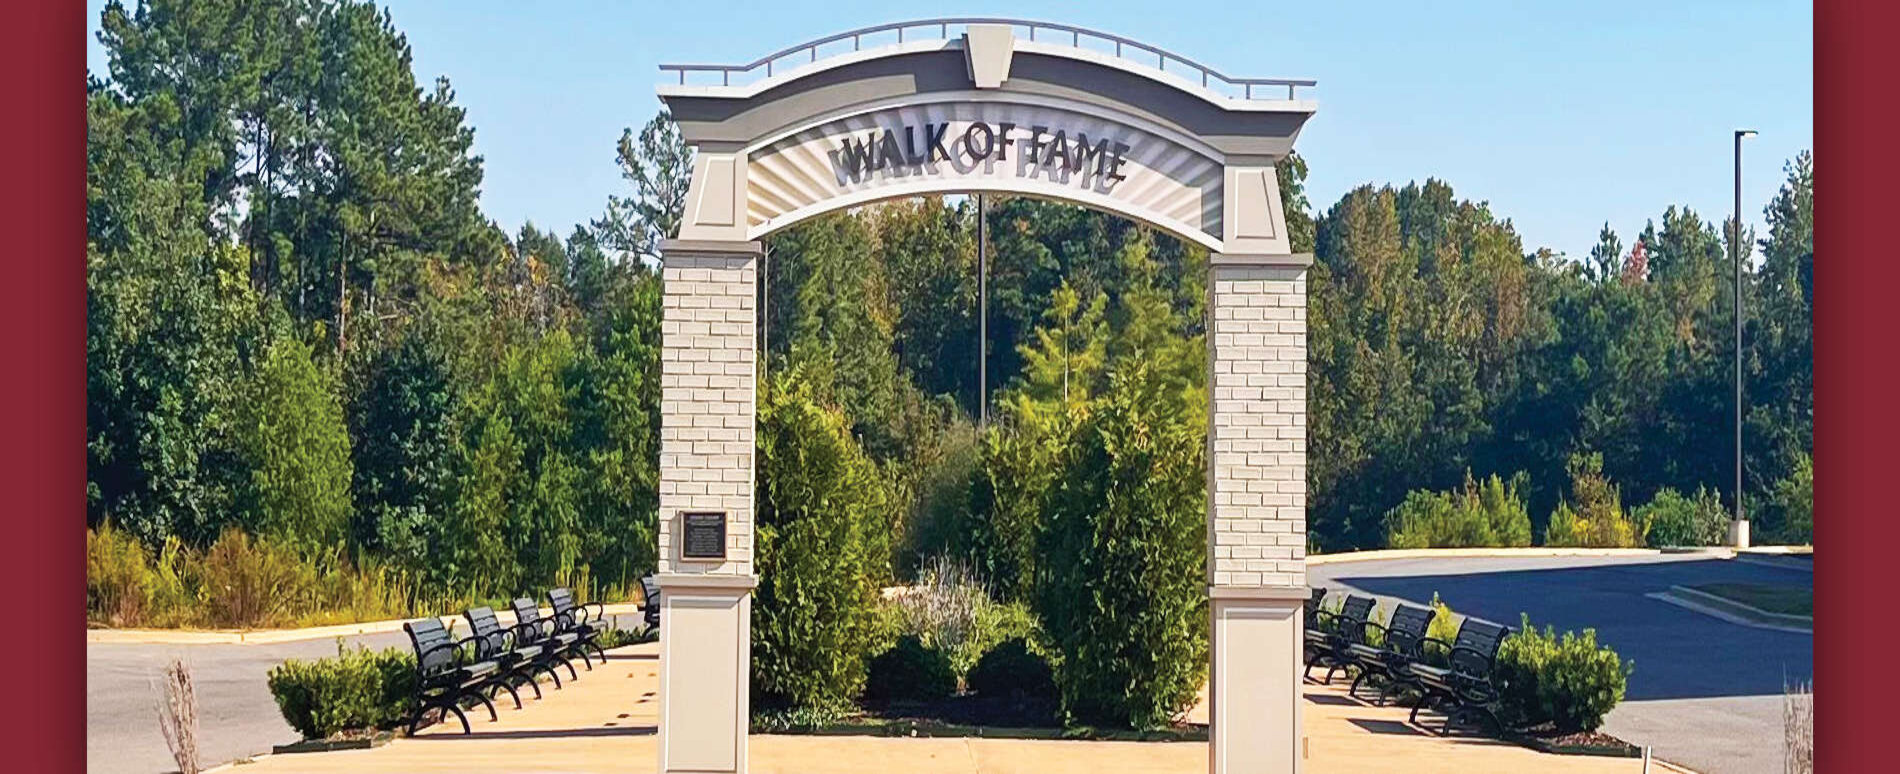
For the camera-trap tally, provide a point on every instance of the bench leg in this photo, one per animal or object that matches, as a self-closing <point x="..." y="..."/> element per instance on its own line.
<point x="549" y="668"/>
<point x="527" y="676"/>
<point x="504" y="684"/>
<point x="453" y="707"/>
<point x="1353" y="690"/>
<point x="580" y="649"/>
<point x="492" y="716"/>
<point x="571" y="674"/>
<point x="415" y="721"/>
<point x="1424" y="697"/>
<point x="597" y="651"/>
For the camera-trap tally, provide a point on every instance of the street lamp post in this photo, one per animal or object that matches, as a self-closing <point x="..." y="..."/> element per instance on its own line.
<point x="1738" y="528"/>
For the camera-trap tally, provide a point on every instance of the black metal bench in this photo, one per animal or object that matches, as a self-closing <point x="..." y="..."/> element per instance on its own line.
<point x="585" y="622"/>
<point x="650" y="602"/>
<point x="1463" y="688"/>
<point x="1311" y="616"/>
<point x="519" y="660"/>
<point x="445" y="673"/>
<point x="1404" y="636"/>
<point x="1341" y="631"/>
<point x="532" y="629"/>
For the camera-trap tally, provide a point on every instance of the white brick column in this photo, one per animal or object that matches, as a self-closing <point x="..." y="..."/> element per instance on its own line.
<point x="1256" y="510"/>
<point x="707" y="420"/>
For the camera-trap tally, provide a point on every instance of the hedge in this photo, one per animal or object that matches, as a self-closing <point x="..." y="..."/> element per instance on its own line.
<point x="359" y="689"/>
<point x="910" y="671"/>
<point x="1570" y="681"/>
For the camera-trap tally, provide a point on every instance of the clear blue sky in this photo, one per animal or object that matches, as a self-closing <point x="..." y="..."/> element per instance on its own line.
<point x="1561" y="115"/>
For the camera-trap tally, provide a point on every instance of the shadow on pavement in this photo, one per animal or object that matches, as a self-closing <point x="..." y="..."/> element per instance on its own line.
<point x="557" y="733"/>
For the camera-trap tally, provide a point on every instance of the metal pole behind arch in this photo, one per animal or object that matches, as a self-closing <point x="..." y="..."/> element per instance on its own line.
<point x="982" y="314"/>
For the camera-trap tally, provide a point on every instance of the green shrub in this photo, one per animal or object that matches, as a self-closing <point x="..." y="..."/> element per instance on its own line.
<point x="359" y="689"/>
<point x="1491" y="513"/>
<point x="1121" y="580"/>
<point x="1794" y="500"/>
<point x="1443" y="628"/>
<point x="910" y="671"/>
<point x="615" y="638"/>
<point x="1597" y="520"/>
<point x="1569" y="681"/>
<point x="816" y="616"/>
<point x="1674" y="520"/>
<point x="1012" y="669"/>
<point x="1375" y="634"/>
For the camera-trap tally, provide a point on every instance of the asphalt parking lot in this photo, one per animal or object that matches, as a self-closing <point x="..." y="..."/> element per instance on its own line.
<point x="1706" y="693"/>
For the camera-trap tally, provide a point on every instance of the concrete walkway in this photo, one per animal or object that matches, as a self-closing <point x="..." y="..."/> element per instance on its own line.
<point x="607" y="721"/>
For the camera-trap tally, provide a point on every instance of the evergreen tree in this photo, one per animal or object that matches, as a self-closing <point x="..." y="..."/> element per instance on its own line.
<point x="292" y="437"/>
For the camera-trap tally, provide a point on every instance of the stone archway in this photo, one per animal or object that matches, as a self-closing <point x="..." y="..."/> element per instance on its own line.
<point x="1007" y="106"/>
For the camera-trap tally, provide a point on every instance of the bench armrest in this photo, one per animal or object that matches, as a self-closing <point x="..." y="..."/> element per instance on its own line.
<point x="1488" y="659"/>
<point x="542" y="627"/>
<point x="454" y="648"/>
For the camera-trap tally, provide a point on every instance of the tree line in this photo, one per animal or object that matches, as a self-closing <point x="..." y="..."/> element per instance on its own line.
<point x="302" y="327"/>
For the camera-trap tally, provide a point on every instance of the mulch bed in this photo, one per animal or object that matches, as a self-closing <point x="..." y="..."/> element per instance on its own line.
<point x="972" y="710"/>
<point x="980" y="716"/>
<point x="1549" y="740"/>
<point x="357" y="739"/>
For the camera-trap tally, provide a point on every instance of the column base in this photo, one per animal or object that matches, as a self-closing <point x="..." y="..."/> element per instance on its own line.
<point x="1738" y="533"/>
<point x="1254" y="723"/>
<point x="705" y="660"/>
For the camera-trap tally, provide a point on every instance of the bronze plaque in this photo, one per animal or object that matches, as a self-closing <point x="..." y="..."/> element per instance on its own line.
<point x="705" y="535"/>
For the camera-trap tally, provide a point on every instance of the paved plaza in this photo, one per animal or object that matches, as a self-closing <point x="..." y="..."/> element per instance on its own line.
<point x="606" y="722"/>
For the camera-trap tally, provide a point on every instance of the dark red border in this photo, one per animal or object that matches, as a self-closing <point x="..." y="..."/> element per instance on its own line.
<point x="42" y="321"/>
<point x="1856" y="344"/>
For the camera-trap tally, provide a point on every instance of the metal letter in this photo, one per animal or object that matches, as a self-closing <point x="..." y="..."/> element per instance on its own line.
<point x="1115" y="161"/>
<point x="989" y="141"/>
<point x="934" y="144"/>
<point x="1034" y="154"/>
<point x="887" y="150"/>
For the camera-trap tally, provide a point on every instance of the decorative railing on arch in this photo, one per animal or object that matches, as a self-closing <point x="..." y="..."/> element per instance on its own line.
<point x="940" y="29"/>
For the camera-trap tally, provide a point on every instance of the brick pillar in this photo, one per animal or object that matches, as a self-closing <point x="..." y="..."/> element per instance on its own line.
<point x="1256" y="500"/>
<point x="707" y="410"/>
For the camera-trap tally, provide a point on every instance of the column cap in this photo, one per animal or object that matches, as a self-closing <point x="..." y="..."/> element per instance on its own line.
<point x="695" y="580"/>
<point x="750" y="247"/>
<point x="1260" y="259"/>
<point x="1299" y="593"/>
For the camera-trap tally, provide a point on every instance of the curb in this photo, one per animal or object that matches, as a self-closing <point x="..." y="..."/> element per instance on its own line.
<point x="1744" y="609"/>
<point x="1780" y="561"/>
<point x="1470" y="553"/>
<point x="1732" y="612"/>
<point x="1774" y="556"/>
<point x="272" y="636"/>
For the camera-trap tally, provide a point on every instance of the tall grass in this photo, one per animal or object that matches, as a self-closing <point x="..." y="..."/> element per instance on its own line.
<point x="240" y="581"/>
<point x="244" y="581"/>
